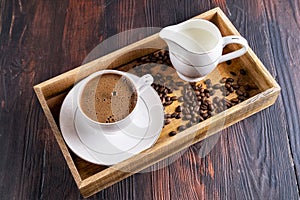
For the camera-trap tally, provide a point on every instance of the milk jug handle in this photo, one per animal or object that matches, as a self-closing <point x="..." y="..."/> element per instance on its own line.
<point x="237" y="53"/>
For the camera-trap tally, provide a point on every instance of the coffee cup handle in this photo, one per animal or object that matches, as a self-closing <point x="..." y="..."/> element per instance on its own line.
<point x="144" y="82"/>
<point x="234" y="40"/>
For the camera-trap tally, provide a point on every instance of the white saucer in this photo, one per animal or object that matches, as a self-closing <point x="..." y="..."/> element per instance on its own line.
<point x="110" y="149"/>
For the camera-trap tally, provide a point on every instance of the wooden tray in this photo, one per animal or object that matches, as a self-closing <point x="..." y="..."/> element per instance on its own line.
<point x="92" y="178"/>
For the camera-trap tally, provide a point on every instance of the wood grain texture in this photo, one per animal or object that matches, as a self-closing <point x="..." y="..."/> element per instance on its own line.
<point x="254" y="159"/>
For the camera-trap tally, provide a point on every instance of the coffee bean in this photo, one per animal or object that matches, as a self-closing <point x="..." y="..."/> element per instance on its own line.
<point x="167" y="98"/>
<point x="243" y="72"/>
<point x="168" y="116"/>
<point x="207" y="81"/>
<point x="172" y="133"/>
<point x="234" y="100"/>
<point x="216" y="86"/>
<point x="194" y="114"/>
<point x="169" y="90"/>
<point x="178" y="116"/>
<point x="197" y="93"/>
<point x="202" y="111"/>
<point x="196" y="108"/>
<point x="187" y="117"/>
<point x="246" y="94"/>
<point x="189" y="124"/>
<point x="194" y="120"/>
<point x="194" y="104"/>
<point x="204" y="115"/>
<point x="185" y="111"/>
<point x="174" y="98"/>
<point x="223" y="89"/>
<point x="197" y="88"/>
<point x="201" y="119"/>
<point x="180" y="99"/>
<point x="226" y="93"/>
<point x="228" y="62"/>
<point x="167" y="103"/>
<point x="216" y="99"/>
<point x="232" y="73"/>
<point x="212" y="92"/>
<point x="235" y="86"/>
<point x="203" y="107"/>
<point x="206" y="91"/>
<point x="166" y="91"/>
<point x="203" y="99"/>
<point x="185" y="105"/>
<point x="227" y="85"/>
<point x="199" y="103"/>
<point x="228" y="105"/>
<point x="242" y="98"/>
<point x="218" y="110"/>
<point x="181" y="128"/>
<point x="239" y="92"/>
<point x="185" y="98"/>
<point x="173" y="115"/>
<point x="190" y="102"/>
<point x="223" y="80"/>
<point x="161" y="90"/>
<point x="211" y="107"/>
<point x="199" y="98"/>
<point x="178" y="109"/>
<point x="231" y="89"/>
<point x="207" y="101"/>
<point x="230" y="80"/>
<point x="194" y="87"/>
<point x="167" y="121"/>
<point x="179" y="84"/>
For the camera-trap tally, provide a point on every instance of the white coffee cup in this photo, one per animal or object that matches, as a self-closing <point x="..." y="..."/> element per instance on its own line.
<point x="107" y="128"/>
<point x="196" y="46"/>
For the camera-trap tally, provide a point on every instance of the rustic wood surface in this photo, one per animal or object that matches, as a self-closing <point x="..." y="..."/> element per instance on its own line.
<point x="258" y="158"/>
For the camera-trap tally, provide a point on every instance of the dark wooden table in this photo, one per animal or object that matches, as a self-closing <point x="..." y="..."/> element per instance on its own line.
<point x="258" y="158"/>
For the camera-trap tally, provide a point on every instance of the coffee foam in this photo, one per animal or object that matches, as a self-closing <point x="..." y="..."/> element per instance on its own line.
<point x="108" y="98"/>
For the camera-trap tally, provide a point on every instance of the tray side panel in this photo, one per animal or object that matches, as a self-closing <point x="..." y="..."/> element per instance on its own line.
<point x="57" y="135"/>
<point x="181" y="141"/>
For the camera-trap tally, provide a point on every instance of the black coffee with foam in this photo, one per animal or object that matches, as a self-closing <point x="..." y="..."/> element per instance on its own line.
<point x="108" y="98"/>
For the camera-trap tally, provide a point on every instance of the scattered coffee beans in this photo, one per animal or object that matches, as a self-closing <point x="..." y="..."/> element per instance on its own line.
<point x="196" y="101"/>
